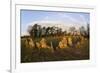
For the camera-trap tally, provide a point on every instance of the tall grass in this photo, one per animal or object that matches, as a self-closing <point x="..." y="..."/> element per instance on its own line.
<point x="79" y="50"/>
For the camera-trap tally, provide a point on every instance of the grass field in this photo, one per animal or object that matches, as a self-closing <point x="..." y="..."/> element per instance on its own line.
<point x="78" y="51"/>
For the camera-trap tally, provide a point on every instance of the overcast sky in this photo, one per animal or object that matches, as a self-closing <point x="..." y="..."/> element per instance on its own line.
<point x="29" y="16"/>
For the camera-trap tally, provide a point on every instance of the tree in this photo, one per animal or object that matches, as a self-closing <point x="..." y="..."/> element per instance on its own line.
<point x="30" y="30"/>
<point x="35" y="30"/>
<point x="88" y="30"/>
<point x="43" y="31"/>
<point x="72" y="29"/>
<point x="82" y="30"/>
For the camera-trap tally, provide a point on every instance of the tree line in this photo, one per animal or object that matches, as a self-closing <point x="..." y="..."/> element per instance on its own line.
<point x="37" y="31"/>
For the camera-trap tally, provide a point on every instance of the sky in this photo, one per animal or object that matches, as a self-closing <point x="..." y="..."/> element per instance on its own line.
<point x="30" y="16"/>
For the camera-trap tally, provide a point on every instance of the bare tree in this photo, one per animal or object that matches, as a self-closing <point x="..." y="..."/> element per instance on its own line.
<point x="30" y="30"/>
<point x="88" y="30"/>
<point x="72" y="29"/>
<point x="82" y="31"/>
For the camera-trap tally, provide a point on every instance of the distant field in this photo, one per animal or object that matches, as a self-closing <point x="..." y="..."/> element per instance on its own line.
<point x="78" y="51"/>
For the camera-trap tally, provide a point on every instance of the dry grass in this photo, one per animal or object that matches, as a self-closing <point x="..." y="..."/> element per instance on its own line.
<point x="77" y="49"/>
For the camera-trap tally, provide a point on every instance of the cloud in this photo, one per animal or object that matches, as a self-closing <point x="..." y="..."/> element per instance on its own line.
<point x="25" y="33"/>
<point x="73" y="18"/>
<point x="68" y="18"/>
